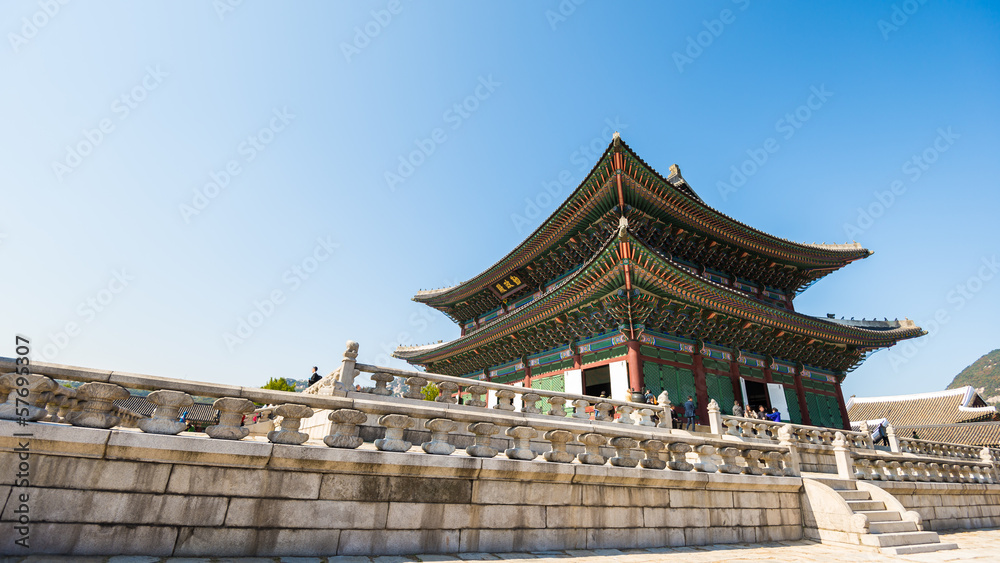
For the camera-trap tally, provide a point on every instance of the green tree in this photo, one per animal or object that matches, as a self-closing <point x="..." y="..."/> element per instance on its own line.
<point x="430" y="391"/>
<point x="278" y="384"/>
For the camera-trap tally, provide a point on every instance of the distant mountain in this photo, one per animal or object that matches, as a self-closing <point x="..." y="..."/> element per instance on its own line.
<point x="984" y="376"/>
<point x="300" y="384"/>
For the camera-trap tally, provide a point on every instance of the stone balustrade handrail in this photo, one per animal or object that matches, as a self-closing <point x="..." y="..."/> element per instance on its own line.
<point x="885" y="466"/>
<point x="465" y="383"/>
<point x="938" y="449"/>
<point x="523" y="430"/>
<point x="799" y="434"/>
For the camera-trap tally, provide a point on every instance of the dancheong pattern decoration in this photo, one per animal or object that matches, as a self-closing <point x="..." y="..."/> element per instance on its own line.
<point x="635" y="257"/>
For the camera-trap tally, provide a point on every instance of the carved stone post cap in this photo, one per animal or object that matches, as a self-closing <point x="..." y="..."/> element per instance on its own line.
<point x="506" y="394"/>
<point x="292" y="410"/>
<point x="679" y="447"/>
<point x="705" y="449"/>
<point x="521" y="432"/>
<point x="476" y="390"/>
<point x="730" y="451"/>
<point x="440" y="425"/>
<point x="347" y="416"/>
<point x="558" y="436"/>
<point x="592" y="439"/>
<point x="395" y="421"/>
<point x="416" y="380"/>
<point x="36" y="383"/>
<point x="531" y="397"/>
<point x="447" y="386"/>
<point x="352" y="350"/>
<point x="557" y="400"/>
<point x="382" y="376"/>
<point x="166" y="398"/>
<point x="483" y="428"/>
<point x="652" y="445"/>
<point x="623" y="442"/>
<point x="581" y="403"/>
<point x="713" y="406"/>
<point x="233" y="404"/>
<point x="95" y="391"/>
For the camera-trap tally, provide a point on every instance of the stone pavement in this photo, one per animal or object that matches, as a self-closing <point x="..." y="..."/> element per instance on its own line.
<point x="978" y="545"/>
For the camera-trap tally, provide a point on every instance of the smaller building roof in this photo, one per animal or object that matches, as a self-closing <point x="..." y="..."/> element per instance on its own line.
<point x="971" y="433"/>
<point x="142" y="406"/>
<point x="937" y="408"/>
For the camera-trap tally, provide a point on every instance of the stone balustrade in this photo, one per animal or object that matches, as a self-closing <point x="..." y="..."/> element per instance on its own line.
<point x="799" y="434"/>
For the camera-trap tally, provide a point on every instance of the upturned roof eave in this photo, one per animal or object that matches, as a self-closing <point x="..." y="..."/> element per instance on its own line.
<point x="838" y="255"/>
<point x="865" y="337"/>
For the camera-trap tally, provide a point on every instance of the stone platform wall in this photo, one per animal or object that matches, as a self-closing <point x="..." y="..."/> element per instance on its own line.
<point x="949" y="506"/>
<point x="118" y="491"/>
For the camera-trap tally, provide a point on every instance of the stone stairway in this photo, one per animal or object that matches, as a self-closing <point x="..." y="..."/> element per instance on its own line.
<point x="890" y="530"/>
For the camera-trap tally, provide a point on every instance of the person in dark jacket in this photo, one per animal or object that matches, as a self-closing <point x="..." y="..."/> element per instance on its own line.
<point x="315" y="376"/>
<point x="689" y="412"/>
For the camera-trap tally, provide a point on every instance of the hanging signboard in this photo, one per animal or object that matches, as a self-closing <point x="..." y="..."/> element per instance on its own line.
<point x="508" y="285"/>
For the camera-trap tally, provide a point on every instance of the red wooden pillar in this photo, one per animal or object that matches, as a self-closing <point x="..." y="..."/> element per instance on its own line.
<point x="577" y="361"/>
<point x="634" y="366"/>
<point x="527" y="374"/>
<point x="843" y="408"/>
<point x="700" y="388"/>
<point x="800" y="392"/>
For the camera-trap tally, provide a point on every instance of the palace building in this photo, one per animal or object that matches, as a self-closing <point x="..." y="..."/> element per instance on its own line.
<point x="635" y="282"/>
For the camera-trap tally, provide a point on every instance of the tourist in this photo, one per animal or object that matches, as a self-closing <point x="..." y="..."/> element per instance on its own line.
<point x="879" y="434"/>
<point x="650" y="399"/>
<point x="774" y="415"/>
<point x="314" y="379"/>
<point x="915" y="437"/>
<point x="183" y="417"/>
<point x="761" y="413"/>
<point x="689" y="412"/>
<point x="737" y="409"/>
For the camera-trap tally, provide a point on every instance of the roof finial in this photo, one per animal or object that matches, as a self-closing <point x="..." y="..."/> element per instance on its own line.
<point x="616" y="139"/>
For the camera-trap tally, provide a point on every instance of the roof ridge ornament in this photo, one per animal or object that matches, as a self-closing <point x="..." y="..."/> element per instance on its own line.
<point x="622" y="227"/>
<point x="616" y="139"/>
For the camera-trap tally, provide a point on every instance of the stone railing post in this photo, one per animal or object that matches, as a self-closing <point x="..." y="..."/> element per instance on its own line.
<point x="623" y="452"/>
<point x="96" y="405"/>
<point x="705" y="463"/>
<point x="288" y="431"/>
<point x="557" y="406"/>
<point x="483" y="432"/>
<point x="987" y="457"/>
<point x="529" y="403"/>
<point x="164" y="420"/>
<point x="505" y="398"/>
<point x="382" y="380"/>
<point x="231" y="411"/>
<point x="893" y="440"/>
<point x="438" y="444"/>
<point x="447" y="393"/>
<point x="558" y="439"/>
<point x="678" y="456"/>
<point x="602" y="411"/>
<point x="786" y="437"/>
<point x="522" y="436"/>
<point x="580" y="409"/>
<point x="31" y="395"/>
<point x="592" y="443"/>
<point x="652" y="449"/>
<point x="845" y="462"/>
<point x="345" y="429"/>
<point x="732" y="426"/>
<point x="729" y="464"/>
<point x="347" y="373"/>
<point x="773" y="461"/>
<point x="414" y="384"/>
<point x="646" y="417"/>
<point x="715" y="417"/>
<point x="625" y="415"/>
<point x="752" y="459"/>
<point x="476" y="393"/>
<point x="394" y="425"/>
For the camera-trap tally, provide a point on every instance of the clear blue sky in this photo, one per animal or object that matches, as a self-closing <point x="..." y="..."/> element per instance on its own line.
<point x="302" y="109"/>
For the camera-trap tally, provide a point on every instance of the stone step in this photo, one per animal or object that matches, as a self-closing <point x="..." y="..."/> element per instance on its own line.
<point x="899" y="539"/>
<point x="918" y="548"/>
<point x="880" y="515"/>
<point x="892" y="527"/>
<point x="859" y="505"/>
<point x="834" y="483"/>
<point x="855" y="495"/>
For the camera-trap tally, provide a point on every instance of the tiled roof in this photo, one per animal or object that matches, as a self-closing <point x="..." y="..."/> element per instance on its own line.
<point x="143" y="407"/>
<point x="941" y="407"/>
<point x="971" y="433"/>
